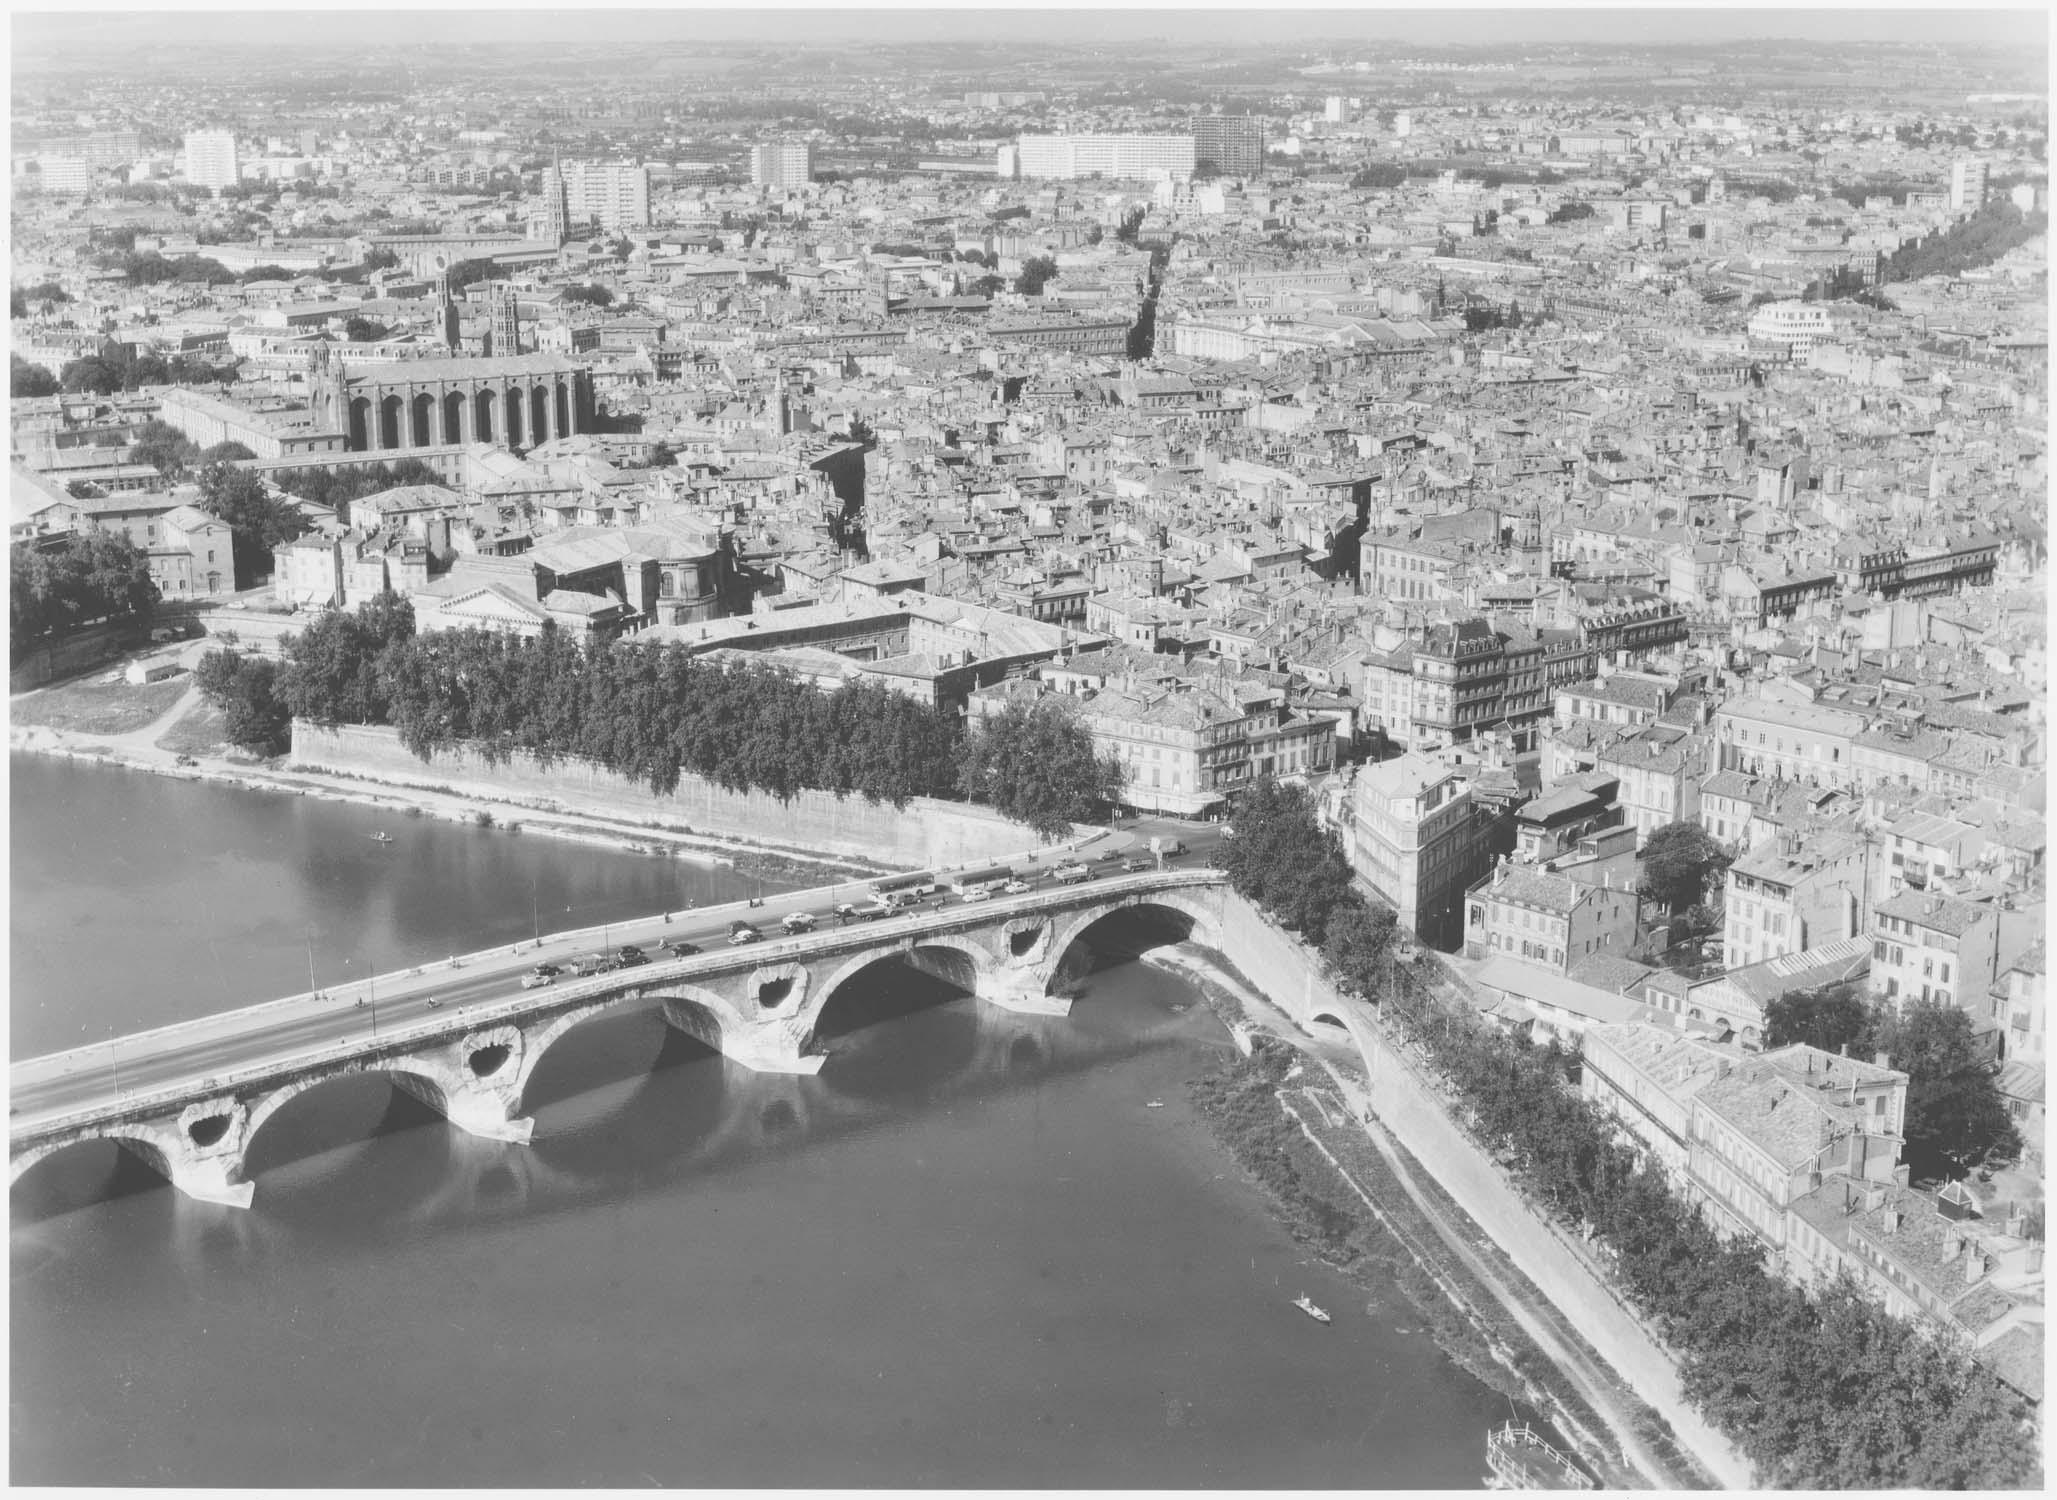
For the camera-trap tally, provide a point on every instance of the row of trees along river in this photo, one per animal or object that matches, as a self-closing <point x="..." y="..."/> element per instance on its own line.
<point x="656" y="713"/>
<point x="1818" y="1389"/>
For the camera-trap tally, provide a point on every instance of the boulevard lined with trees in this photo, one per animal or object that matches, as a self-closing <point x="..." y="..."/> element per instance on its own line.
<point x="1819" y="1389"/>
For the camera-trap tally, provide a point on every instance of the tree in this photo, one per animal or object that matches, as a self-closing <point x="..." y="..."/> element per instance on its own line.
<point x="1037" y="764"/>
<point x="1677" y="861"/>
<point x="91" y="375"/>
<point x="1036" y="273"/>
<point x="466" y="272"/>
<point x="1566" y="213"/>
<point x="331" y="671"/>
<point x="164" y="448"/>
<point x="1829" y="1016"/>
<point x="223" y="452"/>
<point x="257" y="522"/>
<point x="380" y="260"/>
<point x="26" y="379"/>
<point x="590" y="294"/>
<point x="363" y="330"/>
<point x="265" y="272"/>
<point x="1358" y="940"/>
<point x="1955" y="1115"/>
<point x="1283" y="859"/>
<point x="241" y="688"/>
<point x="91" y="575"/>
<point x="17" y="303"/>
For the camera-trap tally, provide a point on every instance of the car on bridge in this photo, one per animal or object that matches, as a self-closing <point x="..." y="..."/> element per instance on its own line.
<point x="597" y="963"/>
<point x="1071" y="874"/>
<point x="1106" y="854"/>
<point x="870" y="911"/>
<point x="540" y="975"/>
<point x="741" y="932"/>
<point x="1017" y="887"/>
<point x="1135" y="862"/>
<point x="798" y="921"/>
<point x="629" y="955"/>
<point x="680" y="948"/>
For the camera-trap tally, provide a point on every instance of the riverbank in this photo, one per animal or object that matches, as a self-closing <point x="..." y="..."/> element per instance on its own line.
<point x="186" y="758"/>
<point x="1292" y="1112"/>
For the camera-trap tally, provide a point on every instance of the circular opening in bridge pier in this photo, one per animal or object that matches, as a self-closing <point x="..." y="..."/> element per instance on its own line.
<point x="772" y="993"/>
<point x="1019" y="943"/>
<point x="209" y="1131"/>
<point x="487" y="1061"/>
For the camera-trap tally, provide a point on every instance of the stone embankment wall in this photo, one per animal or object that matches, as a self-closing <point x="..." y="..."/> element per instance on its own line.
<point x="924" y="833"/>
<point x="1290" y="976"/>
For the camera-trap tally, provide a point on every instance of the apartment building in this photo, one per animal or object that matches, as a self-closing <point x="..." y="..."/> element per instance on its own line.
<point x="782" y="164"/>
<point x="1545" y="919"/>
<point x="1793" y="893"/>
<point x="1934" y="947"/>
<point x="1410" y="831"/>
<point x="1120" y="157"/>
<point x="613" y="195"/>
<point x="211" y="158"/>
<point x="1659" y="772"/>
<point x="1789" y="741"/>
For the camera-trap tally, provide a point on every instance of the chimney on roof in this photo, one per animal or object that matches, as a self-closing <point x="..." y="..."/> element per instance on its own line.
<point x="1892" y="1223"/>
<point x="1882" y="1060"/>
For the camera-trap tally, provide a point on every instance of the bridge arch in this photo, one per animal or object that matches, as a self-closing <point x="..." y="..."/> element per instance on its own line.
<point x="955" y="958"/>
<point x="409" y="1075"/>
<point x="157" y="1150"/>
<point x="1196" y="918"/>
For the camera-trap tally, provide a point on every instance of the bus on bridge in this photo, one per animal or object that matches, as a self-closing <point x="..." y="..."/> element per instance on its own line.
<point x="901" y="890"/>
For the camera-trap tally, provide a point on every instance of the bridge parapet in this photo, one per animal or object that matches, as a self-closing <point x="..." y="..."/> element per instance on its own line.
<point x="760" y="1004"/>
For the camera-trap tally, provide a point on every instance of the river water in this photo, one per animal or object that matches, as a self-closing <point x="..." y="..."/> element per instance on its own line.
<point x="964" y="1254"/>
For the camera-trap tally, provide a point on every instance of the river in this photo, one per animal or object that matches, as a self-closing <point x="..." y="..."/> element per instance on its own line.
<point x="964" y="1254"/>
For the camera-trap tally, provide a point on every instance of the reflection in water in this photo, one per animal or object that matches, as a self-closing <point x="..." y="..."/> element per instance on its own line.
<point x="963" y="1254"/>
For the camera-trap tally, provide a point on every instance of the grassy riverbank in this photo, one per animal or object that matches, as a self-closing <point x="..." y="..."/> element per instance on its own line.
<point x="1282" y="1120"/>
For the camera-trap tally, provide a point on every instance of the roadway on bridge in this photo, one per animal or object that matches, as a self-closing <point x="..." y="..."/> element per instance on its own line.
<point x="95" y="1076"/>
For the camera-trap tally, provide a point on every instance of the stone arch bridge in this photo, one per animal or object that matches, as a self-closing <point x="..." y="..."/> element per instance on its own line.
<point x="761" y="1005"/>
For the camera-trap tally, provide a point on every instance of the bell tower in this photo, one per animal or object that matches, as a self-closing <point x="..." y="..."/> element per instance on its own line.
<point x="506" y="335"/>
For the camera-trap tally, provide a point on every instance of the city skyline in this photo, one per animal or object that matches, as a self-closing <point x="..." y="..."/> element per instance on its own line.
<point x="519" y="24"/>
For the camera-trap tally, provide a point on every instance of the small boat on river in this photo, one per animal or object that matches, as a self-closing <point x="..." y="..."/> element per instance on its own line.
<point x="1521" y="1460"/>
<point x="382" y="837"/>
<point x="1306" y="1305"/>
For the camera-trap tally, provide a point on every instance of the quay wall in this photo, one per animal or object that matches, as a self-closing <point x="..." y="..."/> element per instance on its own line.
<point x="1289" y="975"/>
<point x="925" y="833"/>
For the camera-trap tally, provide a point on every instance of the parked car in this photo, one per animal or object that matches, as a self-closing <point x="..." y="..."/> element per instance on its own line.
<point x="741" y="932"/>
<point x="540" y="975"/>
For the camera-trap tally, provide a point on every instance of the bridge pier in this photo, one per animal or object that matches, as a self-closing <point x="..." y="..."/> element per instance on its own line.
<point x="480" y="1111"/>
<point x="212" y="1178"/>
<point x="1021" y="991"/>
<point x="769" y="1046"/>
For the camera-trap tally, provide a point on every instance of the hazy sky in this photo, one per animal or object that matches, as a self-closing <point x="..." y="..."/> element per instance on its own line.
<point x="85" y="25"/>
